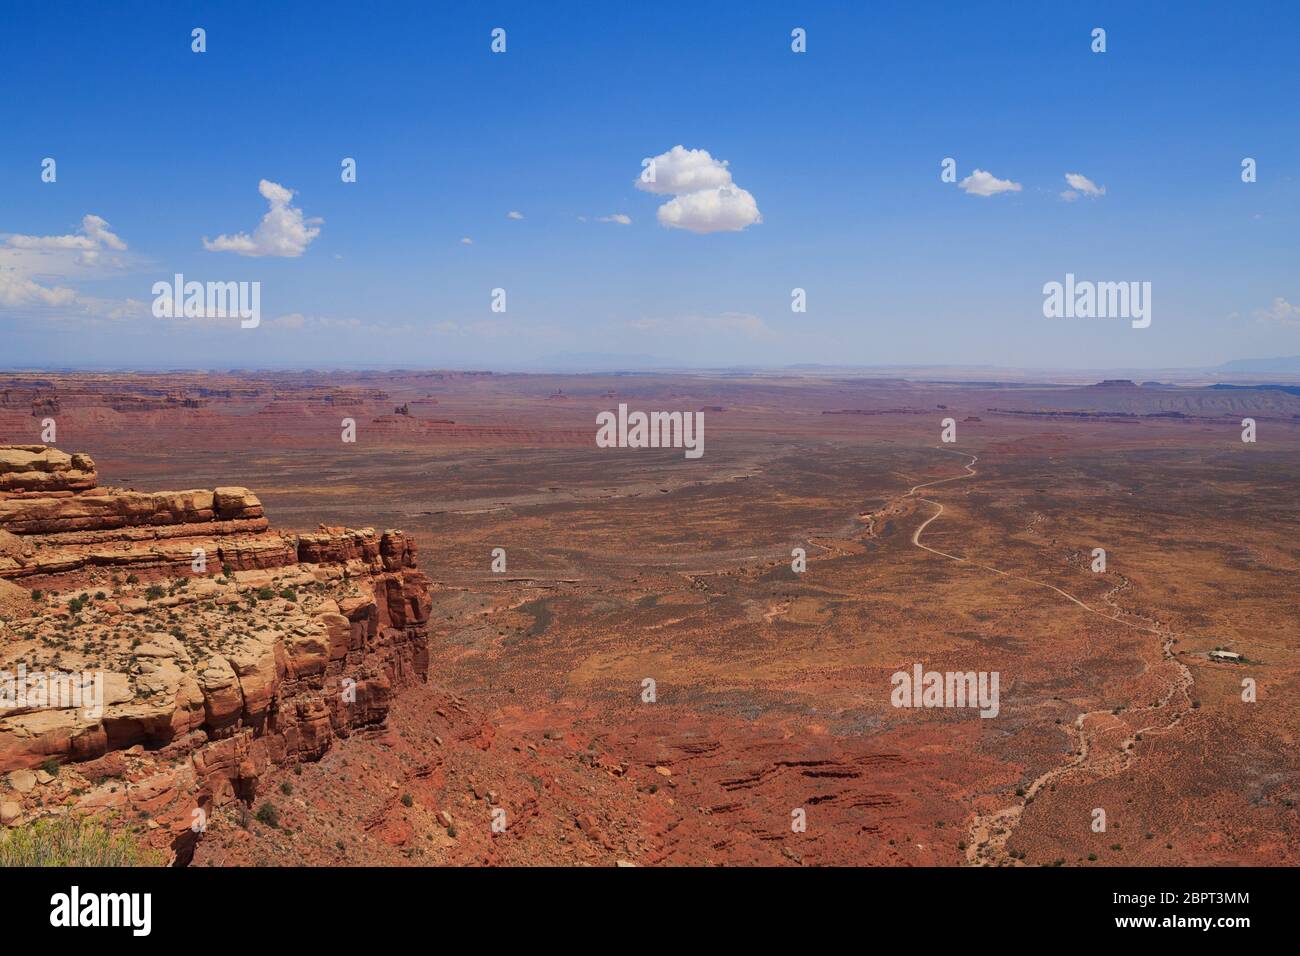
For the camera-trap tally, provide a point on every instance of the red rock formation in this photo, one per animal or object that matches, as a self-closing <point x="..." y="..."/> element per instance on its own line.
<point x="279" y="645"/>
<point x="42" y="469"/>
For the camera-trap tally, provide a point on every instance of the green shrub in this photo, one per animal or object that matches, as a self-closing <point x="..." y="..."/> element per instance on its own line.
<point x="268" y="814"/>
<point x="155" y="592"/>
<point x="72" y="841"/>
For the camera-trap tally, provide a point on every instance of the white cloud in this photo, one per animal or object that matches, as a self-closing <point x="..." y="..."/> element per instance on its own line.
<point x="981" y="183"/>
<point x="18" y="290"/>
<point x="617" y="217"/>
<point x="514" y="214"/>
<point x="94" y="235"/>
<point x="282" y="232"/>
<point x="466" y="241"/>
<point x="29" y="263"/>
<point x="1081" y="185"/>
<point x="682" y="170"/>
<point x="725" y="209"/>
<point x="1280" y="312"/>
<point x="705" y="199"/>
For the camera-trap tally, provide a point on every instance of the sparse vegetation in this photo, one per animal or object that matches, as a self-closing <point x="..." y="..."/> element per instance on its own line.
<point x="73" y="840"/>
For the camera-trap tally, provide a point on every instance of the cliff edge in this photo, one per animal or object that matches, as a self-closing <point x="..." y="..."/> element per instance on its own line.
<point x="160" y="651"/>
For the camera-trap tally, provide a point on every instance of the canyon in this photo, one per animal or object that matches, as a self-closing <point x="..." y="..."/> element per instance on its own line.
<point x="514" y="690"/>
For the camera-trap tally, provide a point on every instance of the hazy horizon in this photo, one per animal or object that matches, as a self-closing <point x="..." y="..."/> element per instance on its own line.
<point x="1256" y="371"/>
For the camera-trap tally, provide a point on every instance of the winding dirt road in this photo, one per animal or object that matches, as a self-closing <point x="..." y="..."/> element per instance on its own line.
<point x="990" y="832"/>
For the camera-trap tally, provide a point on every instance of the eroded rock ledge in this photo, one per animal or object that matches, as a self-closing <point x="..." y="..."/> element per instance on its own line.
<point x="226" y="647"/>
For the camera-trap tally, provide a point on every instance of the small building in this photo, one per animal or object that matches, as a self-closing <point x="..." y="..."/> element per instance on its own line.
<point x="1227" y="657"/>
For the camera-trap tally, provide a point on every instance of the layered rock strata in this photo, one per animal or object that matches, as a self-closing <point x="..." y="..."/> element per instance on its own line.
<point x="222" y="647"/>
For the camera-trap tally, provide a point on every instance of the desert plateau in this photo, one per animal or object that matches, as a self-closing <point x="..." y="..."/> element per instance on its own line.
<point x="470" y="636"/>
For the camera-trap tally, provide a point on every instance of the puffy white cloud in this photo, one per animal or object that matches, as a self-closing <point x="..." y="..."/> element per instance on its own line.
<point x="725" y="209"/>
<point x="705" y="199"/>
<point x="682" y="170"/>
<point x="1280" y="312"/>
<point x="283" y="231"/>
<point x="617" y="217"/>
<point x="466" y="241"/>
<point x="25" y="259"/>
<point x="94" y="235"/>
<point x="18" y="290"/>
<point x="981" y="183"/>
<point x="514" y="214"/>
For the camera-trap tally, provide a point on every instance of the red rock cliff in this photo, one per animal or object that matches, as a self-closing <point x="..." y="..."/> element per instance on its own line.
<point x="224" y="647"/>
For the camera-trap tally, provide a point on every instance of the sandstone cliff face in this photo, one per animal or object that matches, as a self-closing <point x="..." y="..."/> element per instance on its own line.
<point x="38" y="468"/>
<point x="224" y="647"/>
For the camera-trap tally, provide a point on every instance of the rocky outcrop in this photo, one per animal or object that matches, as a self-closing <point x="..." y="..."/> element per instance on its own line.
<point x="43" y="469"/>
<point x="223" y="648"/>
<point x="125" y="509"/>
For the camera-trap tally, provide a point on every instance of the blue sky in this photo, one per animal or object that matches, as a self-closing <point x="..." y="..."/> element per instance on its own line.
<point x="839" y="147"/>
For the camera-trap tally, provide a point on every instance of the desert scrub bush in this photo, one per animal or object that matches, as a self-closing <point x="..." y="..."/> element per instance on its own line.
<point x="38" y="594"/>
<point x="265" y="593"/>
<point x="154" y="592"/>
<point x="73" y="841"/>
<point x="268" y="814"/>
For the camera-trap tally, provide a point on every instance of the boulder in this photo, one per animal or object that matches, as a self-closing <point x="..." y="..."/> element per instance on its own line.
<point x="24" y="781"/>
